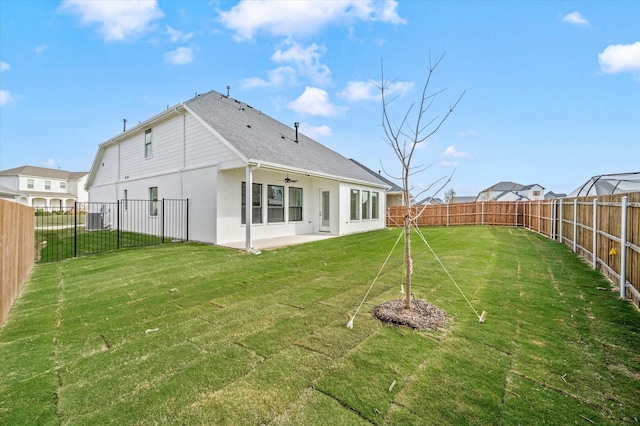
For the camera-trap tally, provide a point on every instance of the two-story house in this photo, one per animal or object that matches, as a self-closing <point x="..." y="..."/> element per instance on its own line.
<point x="246" y="175"/>
<point x="42" y="187"/>
<point x="511" y="191"/>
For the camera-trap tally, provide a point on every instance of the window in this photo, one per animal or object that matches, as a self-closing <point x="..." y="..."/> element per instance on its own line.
<point x="355" y="204"/>
<point x="295" y="204"/>
<point x="125" y="202"/>
<point x="536" y="193"/>
<point x="153" y="201"/>
<point x="147" y="144"/>
<point x="30" y="183"/>
<point x="275" y="204"/>
<point x="365" y="204"/>
<point x="63" y="185"/>
<point x="256" y="201"/>
<point x="47" y="184"/>
<point x="374" y="205"/>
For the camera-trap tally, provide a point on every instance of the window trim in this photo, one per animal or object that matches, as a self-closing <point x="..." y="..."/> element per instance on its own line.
<point x="375" y="205"/>
<point x="255" y="208"/>
<point x="354" y="205"/>
<point x="153" y="202"/>
<point x="31" y="183"/>
<point x="295" y="208"/>
<point x="272" y="209"/>
<point x="365" y="204"/>
<point x="148" y="144"/>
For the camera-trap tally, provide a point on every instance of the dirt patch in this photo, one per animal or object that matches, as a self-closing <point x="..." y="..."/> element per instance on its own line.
<point x="421" y="316"/>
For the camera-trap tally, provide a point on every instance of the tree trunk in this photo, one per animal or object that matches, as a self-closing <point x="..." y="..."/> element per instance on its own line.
<point x="407" y="254"/>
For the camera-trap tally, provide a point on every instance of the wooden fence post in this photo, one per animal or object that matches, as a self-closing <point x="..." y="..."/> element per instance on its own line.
<point x="595" y="234"/>
<point x="561" y="219"/>
<point x="623" y="249"/>
<point x="575" y="225"/>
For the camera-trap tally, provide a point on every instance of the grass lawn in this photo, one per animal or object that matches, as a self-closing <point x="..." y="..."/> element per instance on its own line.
<point x="196" y="334"/>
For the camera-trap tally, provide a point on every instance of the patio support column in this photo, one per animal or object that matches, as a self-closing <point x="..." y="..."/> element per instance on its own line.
<point x="623" y="249"/>
<point x="248" y="202"/>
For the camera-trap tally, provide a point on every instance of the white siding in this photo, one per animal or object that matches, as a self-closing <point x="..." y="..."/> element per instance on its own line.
<point x="107" y="169"/>
<point x="349" y="226"/>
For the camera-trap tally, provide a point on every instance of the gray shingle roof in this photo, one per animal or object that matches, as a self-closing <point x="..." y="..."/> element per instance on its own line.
<point x="42" y="172"/>
<point x="259" y="137"/>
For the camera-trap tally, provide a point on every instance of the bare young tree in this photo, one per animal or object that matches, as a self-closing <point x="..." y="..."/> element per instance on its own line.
<point x="416" y="126"/>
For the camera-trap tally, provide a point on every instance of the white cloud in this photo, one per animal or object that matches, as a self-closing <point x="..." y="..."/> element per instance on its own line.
<point x="117" y="20"/>
<point x="315" y="101"/>
<point x="5" y="97"/>
<point x="303" y="18"/>
<point x="620" y="58"/>
<point x="449" y="163"/>
<point x="315" y="132"/>
<point x="276" y="78"/>
<point x="49" y="163"/>
<point x="575" y="18"/>
<point x="451" y="152"/>
<point x="4" y="66"/>
<point x="175" y="35"/>
<point x="41" y="48"/>
<point x="357" y="91"/>
<point x="180" y="56"/>
<point x="305" y="59"/>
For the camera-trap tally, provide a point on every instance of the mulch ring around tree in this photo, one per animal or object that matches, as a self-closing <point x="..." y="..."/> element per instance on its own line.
<point x="422" y="316"/>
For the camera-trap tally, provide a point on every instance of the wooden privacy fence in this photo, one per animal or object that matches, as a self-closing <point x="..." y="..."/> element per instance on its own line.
<point x="612" y="245"/>
<point x="16" y="252"/>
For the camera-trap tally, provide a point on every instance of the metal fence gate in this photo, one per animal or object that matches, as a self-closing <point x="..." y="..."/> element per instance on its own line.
<point x="88" y="228"/>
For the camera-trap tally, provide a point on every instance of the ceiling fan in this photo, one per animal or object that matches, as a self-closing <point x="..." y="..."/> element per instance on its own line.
<point x="289" y="180"/>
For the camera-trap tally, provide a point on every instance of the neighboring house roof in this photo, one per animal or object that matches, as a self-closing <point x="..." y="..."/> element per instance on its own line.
<point x="393" y="188"/>
<point x="464" y="199"/>
<point x="616" y="183"/>
<point x="551" y="195"/>
<point x="431" y="200"/>
<point x="257" y="138"/>
<point x="510" y="186"/>
<point x="510" y="194"/>
<point x="43" y="172"/>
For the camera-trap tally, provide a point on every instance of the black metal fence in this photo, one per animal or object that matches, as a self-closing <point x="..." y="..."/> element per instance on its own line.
<point x="88" y="228"/>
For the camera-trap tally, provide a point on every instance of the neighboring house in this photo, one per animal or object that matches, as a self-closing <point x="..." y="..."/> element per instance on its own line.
<point x="42" y="187"/>
<point x="432" y="201"/>
<point x="552" y="195"/>
<point x="395" y="193"/>
<point x="511" y="191"/>
<point x="223" y="155"/>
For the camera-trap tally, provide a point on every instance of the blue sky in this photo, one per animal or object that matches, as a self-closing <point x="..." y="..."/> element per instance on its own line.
<point x="552" y="89"/>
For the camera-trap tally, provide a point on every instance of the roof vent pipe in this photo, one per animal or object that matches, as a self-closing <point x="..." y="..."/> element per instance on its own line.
<point x="296" y="124"/>
<point x="124" y="124"/>
<point x="228" y="90"/>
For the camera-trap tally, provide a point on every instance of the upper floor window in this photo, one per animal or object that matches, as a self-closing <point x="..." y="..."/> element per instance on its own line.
<point x="147" y="144"/>
<point x="63" y="185"/>
<point x="47" y="184"/>
<point x="536" y="193"/>
<point x="295" y="204"/>
<point x="30" y="183"/>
